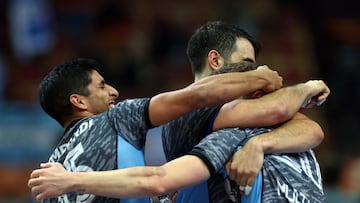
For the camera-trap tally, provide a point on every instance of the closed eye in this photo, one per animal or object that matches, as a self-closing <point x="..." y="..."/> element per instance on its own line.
<point x="102" y="84"/>
<point x="249" y="60"/>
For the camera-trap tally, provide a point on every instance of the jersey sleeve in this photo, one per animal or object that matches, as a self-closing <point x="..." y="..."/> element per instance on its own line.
<point x="181" y="135"/>
<point x="130" y="118"/>
<point x="216" y="148"/>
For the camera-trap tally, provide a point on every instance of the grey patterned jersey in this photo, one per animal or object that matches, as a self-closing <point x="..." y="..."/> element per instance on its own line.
<point x="286" y="177"/>
<point x="91" y="143"/>
<point x="292" y="178"/>
<point x="182" y="134"/>
<point x="216" y="148"/>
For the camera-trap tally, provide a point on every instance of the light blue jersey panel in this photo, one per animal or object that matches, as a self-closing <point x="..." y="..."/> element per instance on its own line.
<point x="154" y="150"/>
<point x="129" y="156"/>
<point x="256" y="191"/>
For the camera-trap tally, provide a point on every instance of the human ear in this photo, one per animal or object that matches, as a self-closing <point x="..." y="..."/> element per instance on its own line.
<point x="214" y="59"/>
<point x="78" y="101"/>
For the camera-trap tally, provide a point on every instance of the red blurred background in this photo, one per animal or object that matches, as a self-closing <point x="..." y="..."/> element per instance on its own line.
<point x="142" y="44"/>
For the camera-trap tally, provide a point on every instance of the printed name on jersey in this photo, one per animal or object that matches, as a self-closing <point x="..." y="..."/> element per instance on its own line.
<point x="59" y="151"/>
<point x="84" y="126"/>
<point x="292" y="195"/>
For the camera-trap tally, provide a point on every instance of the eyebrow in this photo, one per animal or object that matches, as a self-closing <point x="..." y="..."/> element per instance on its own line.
<point x="102" y="82"/>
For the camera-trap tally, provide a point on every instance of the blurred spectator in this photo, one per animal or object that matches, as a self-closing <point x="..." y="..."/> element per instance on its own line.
<point x="30" y="26"/>
<point x="343" y="181"/>
<point x="142" y="46"/>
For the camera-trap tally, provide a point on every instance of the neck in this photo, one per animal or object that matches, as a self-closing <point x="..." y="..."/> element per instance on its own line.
<point x="204" y="73"/>
<point x="69" y="121"/>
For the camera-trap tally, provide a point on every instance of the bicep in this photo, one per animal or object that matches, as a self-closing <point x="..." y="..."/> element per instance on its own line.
<point x="168" y="106"/>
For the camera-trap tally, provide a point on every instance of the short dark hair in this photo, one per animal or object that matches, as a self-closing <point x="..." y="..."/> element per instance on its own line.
<point x="216" y="35"/>
<point x="242" y="66"/>
<point x="63" y="80"/>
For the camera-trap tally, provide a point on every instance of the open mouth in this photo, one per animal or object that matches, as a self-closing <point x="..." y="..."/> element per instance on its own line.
<point x="112" y="104"/>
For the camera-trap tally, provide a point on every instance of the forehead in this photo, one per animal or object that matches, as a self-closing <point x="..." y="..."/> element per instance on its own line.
<point x="243" y="50"/>
<point x="96" y="78"/>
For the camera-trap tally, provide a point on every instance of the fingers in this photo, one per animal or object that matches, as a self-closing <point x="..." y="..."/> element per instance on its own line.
<point x="35" y="181"/>
<point x="37" y="172"/>
<point x="245" y="189"/>
<point x="32" y="182"/>
<point x="245" y="166"/>
<point x="47" y="165"/>
<point x="245" y="180"/>
<point x="324" y="94"/>
<point x="36" y="190"/>
<point x="39" y="195"/>
<point x="39" y="190"/>
<point x="321" y="101"/>
<point x="320" y="93"/>
<point x="245" y="185"/>
<point x="273" y="77"/>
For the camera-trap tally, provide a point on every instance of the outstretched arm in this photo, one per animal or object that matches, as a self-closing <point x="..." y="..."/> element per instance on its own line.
<point x="53" y="180"/>
<point x="210" y="91"/>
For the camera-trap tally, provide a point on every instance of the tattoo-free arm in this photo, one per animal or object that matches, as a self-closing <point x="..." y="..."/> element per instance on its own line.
<point x="296" y="135"/>
<point x="53" y="180"/>
<point x="210" y="91"/>
<point x="271" y="109"/>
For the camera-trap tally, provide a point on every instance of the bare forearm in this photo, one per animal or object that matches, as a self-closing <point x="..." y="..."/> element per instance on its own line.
<point x="142" y="181"/>
<point x="296" y="135"/>
<point x="286" y="102"/>
<point x="212" y="90"/>
<point x="270" y="109"/>
<point x="52" y="180"/>
<point x="215" y="90"/>
<point x="134" y="182"/>
<point x="303" y="95"/>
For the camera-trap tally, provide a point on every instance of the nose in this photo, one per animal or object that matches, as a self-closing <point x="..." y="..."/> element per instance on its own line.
<point x="113" y="92"/>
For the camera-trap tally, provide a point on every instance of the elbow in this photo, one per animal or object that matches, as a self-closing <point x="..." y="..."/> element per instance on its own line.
<point x="319" y="135"/>
<point x="158" y="189"/>
<point x="156" y="184"/>
<point x="161" y="190"/>
<point x="280" y="114"/>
